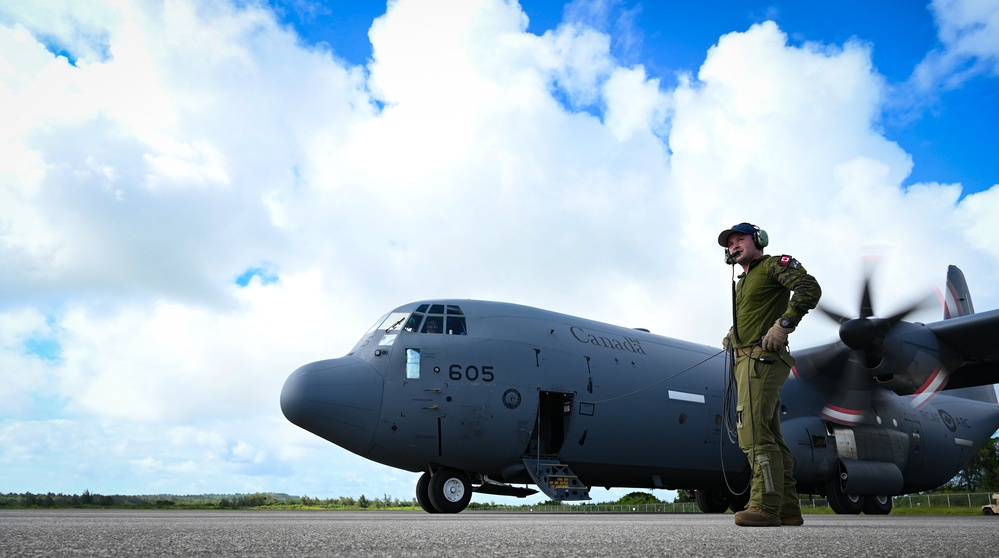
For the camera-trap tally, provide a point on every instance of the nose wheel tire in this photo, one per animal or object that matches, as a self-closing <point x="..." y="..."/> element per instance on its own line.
<point x="450" y="490"/>
<point x="423" y="494"/>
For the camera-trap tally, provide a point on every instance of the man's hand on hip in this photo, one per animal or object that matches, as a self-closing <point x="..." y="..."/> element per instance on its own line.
<point x="776" y="339"/>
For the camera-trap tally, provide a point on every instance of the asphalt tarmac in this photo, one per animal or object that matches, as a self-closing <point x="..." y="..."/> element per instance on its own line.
<point x="339" y="533"/>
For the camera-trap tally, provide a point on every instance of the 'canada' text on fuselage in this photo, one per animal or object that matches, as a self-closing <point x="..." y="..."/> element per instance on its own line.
<point x="628" y="344"/>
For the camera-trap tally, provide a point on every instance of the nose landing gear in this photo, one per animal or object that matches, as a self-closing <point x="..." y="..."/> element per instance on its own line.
<point x="445" y="491"/>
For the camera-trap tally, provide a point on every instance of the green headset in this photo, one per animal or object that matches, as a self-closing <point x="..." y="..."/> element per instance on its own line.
<point x="760" y="238"/>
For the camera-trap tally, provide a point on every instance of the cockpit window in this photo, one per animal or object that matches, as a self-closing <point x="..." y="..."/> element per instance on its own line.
<point x="413" y="323"/>
<point x="433" y="324"/>
<point x="428" y="318"/>
<point x="393" y="321"/>
<point x="437" y="318"/>
<point x="375" y="325"/>
<point x="456" y="325"/>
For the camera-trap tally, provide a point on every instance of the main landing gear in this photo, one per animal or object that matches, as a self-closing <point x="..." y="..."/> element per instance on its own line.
<point x="446" y="491"/>
<point x="718" y="500"/>
<point x="853" y="504"/>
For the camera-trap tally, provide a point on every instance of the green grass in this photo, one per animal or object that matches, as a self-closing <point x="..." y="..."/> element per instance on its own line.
<point x="916" y="510"/>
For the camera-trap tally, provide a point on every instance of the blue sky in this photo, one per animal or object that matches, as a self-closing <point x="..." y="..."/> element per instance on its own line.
<point x="198" y="197"/>
<point x="948" y="132"/>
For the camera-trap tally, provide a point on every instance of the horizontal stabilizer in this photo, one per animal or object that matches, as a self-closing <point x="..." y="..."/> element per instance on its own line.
<point x="973" y="338"/>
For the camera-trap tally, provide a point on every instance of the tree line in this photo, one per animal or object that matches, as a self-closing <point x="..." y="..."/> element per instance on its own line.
<point x="200" y="501"/>
<point x="981" y="474"/>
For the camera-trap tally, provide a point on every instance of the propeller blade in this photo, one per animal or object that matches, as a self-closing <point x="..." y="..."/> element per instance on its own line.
<point x="852" y="400"/>
<point x="926" y="302"/>
<point x="877" y="349"/>
<point x="866" y="307"/>
<point x="932" y="386"/>
<point x="834" y="316"/>
<point x="822" y="366"/>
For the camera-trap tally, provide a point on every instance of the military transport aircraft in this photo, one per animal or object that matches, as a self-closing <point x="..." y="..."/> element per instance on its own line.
<point x="492" y="397"/>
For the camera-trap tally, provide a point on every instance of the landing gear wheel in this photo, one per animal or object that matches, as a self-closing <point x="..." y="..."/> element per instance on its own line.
<point x="423" y="494"/>
<point x="849" y="504"/>
<point x="717" y="500"/>
<point x="450" y="490"/>
<point x="712" y="500"/>
<point x="878" y="505"/>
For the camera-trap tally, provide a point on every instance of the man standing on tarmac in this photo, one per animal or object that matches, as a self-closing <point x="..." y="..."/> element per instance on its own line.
<point x="771" y="297"/>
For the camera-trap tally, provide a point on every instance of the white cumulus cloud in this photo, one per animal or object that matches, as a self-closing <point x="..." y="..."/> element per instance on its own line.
<point x="151" y="155"/>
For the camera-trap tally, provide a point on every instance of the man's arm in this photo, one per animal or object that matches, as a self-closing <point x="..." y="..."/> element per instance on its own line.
<point x="805" y="290"/>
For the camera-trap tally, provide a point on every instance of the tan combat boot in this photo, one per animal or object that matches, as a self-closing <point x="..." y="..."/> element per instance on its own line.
<point x="792" y="520"/>
<point x="757" y="517"/>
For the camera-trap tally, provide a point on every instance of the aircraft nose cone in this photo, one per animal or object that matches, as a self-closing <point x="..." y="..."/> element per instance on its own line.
<point x="339" y="400"/>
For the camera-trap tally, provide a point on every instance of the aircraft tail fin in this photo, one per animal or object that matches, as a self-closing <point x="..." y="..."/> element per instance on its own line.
<point x="978" y="376"/>
<point x="957" y="297"/>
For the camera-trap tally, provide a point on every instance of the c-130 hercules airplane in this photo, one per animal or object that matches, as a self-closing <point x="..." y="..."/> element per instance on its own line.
<point x="485" y="396"/>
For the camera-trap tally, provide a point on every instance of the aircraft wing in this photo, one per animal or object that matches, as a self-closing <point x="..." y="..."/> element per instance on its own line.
<point x="973" y="338"/>
<point x="976" y="339"/>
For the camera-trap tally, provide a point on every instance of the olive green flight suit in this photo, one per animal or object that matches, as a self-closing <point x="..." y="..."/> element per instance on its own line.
<point x="763" y="296"/>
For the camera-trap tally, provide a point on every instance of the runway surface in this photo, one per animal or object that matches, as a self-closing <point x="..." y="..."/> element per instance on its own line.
<point x="338" y="533"/>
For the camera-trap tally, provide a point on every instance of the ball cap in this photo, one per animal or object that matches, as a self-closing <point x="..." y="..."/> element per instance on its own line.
<point x="744" y="228"/>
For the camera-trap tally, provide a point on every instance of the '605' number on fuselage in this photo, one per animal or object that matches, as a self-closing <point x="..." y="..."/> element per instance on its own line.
<point x="471" y="373"/>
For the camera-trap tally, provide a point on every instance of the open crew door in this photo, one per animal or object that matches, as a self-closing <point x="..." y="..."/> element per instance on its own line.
<point x="553" y="477"/>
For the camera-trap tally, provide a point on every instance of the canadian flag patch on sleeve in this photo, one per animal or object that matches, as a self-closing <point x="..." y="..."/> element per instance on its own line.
<point x="790" y="262"/>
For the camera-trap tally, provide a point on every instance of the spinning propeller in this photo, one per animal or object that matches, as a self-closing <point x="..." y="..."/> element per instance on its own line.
<point x="877" y="357"/>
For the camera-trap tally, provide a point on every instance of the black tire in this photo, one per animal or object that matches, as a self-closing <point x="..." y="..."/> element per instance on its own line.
<point x="988" y="511"/>
<point x="878" y="505"/>
<point x="423" y="494"/>
<point x="450" y="490"/>
<point x="849" y="504"/>
<point x="711" y="500"/>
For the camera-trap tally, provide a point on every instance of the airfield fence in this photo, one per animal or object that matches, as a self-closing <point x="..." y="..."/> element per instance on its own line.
<point x="961" y="500"/>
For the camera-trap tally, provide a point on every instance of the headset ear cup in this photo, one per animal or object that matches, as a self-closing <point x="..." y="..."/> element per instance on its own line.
<point x="761" y="239"/>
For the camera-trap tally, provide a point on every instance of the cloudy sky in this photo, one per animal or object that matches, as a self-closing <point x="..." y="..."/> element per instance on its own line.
<point x="198" y="197"/>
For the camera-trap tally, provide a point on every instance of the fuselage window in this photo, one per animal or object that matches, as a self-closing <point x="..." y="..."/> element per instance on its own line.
<point x="412" y="364"/>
